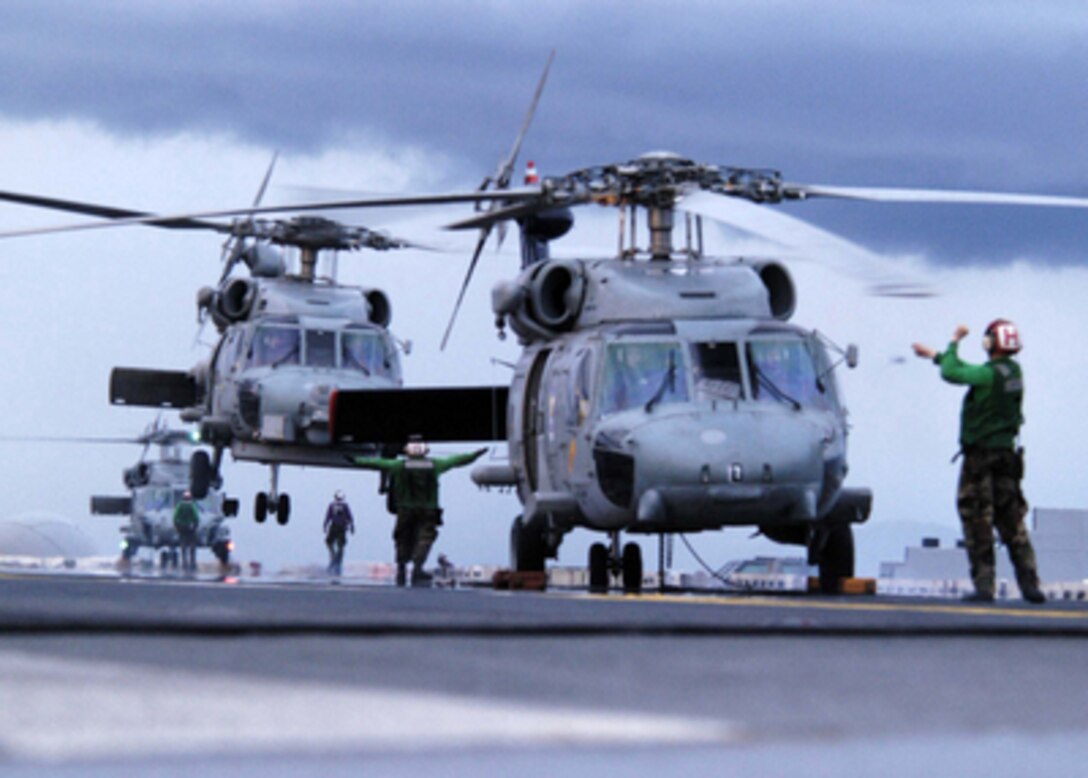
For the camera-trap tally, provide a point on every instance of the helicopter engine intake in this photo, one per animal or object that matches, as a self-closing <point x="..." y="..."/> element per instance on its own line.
<point x="236" y="299"/>
<point x="381" y="310"/>
<point x="780" y="290"/>
<point x="547" y="299"/>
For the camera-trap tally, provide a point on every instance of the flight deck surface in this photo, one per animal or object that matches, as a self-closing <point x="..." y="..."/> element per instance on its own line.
<point x="99" y="674"/>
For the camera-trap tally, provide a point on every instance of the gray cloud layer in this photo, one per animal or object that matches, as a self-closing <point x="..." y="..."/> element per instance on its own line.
<point x="978" y="95"/>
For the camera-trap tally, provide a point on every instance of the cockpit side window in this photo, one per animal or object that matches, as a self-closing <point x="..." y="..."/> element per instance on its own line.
<point x="783" y="371"/>
<point x="717" y="370"/>
<point x="581" y="387"/>
<point x="274" y="346"/>
<point x="321" y="348"/>
<point x="364" y="351"/>
<point x="637" y="373"/>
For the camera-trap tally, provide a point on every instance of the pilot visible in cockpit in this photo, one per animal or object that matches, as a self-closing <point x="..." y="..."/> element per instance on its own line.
<point x="275" y="346"/>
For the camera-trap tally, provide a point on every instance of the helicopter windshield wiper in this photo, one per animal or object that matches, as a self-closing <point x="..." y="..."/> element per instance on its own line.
<point x="764" y="380"/>
<point x="289" y="355"/>
<point x="668" y="382"/>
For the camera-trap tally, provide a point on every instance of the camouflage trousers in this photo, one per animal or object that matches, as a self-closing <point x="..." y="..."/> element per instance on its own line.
<point x="989" y="497"/>
<point x="415" y="533"/>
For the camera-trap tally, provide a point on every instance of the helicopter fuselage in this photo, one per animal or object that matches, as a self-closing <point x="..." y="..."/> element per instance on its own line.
<point x="155" y="487"/>
<point x="666" y="397"/>
<point x="672" y="427"/>
<point x="267" y="385"/>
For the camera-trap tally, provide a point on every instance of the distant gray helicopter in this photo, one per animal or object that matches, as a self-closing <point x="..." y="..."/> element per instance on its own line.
<point x="288" y="340"/>
<point x="156" y="485"/>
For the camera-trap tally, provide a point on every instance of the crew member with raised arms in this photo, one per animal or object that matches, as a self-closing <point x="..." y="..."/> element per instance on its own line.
<point x="415" y="495"/>
<point x="989" y="492"/>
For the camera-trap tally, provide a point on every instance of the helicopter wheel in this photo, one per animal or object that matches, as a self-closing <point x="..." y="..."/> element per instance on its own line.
<point x="526" y="548"/>
<point x="283" y="509"/>
<point x="837" y="559"/>
<point x="632" y="568"/>
<point x="598" y="568"/>
<point x="260" y="507"/>
<point x="200" y="474"/>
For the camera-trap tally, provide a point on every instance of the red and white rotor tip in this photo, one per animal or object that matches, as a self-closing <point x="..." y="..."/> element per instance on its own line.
<point x="531" y="176"/>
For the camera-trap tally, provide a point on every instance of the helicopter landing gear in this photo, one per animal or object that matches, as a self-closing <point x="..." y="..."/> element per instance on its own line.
<point x="836" y="558"/>
<point x="168" y="559"/>
<point x="200" y="474"/>
<point x="632" y="568"/>
<point x="527" y="547"/>
<point x="272" y="502"/>
<point x="598" y="569"/>
<point x="222" y="553"/>
<point x="606" y="561"/>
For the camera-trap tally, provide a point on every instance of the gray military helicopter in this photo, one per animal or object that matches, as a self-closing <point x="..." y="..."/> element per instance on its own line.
<point x="155" y="487"/>
<point x="287" y="339"/>
<point x="662" y="390"/>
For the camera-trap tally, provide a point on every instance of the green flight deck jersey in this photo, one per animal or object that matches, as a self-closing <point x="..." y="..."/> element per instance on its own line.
<point x="186" y="516"/>
<point x="991" y="415"/>
<point x="415" y="479"/>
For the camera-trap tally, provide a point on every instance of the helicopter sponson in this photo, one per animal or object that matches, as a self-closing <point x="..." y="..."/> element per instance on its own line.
<point x="558" y="296"/>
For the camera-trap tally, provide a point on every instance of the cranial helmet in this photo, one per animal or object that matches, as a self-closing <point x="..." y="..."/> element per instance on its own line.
<point x="1002" y="337"/>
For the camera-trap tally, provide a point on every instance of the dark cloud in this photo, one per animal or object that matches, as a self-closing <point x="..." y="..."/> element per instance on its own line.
<point x="979" y="95"/>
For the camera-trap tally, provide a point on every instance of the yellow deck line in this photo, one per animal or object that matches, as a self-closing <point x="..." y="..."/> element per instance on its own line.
<point x="1036" y="612"/>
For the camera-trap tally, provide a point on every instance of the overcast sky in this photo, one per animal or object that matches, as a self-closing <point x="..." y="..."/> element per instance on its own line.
<point x="178" y="106"/>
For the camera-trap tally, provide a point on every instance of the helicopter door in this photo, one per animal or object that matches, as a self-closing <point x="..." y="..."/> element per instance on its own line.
<point x="533" y="420"/>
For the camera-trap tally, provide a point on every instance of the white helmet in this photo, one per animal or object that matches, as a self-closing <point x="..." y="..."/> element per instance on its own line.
<point x="339" y="496"/>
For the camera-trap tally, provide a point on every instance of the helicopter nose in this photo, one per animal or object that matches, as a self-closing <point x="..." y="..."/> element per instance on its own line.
<point x="704" y="468"/>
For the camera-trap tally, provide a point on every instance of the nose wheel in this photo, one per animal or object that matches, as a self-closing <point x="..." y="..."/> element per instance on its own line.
<point x="608" y="561"/>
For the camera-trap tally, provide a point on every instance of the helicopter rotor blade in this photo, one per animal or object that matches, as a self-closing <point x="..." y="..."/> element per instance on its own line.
<point x="234" y="245"/>
<point x="107" y="212"/>
<point x="192" y="220"/>
<point x="67" y="439"/>
<point x="808" y="240"/>
<point x="506" y="168"/>
<point x="906" y="195"/>
<point x="464" y="284"/>
<point x="501" y="181"/>
<point x="267" y="177"/>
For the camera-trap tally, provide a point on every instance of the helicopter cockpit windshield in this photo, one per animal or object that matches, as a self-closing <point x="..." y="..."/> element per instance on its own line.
<point x="274" y="346"/>
<point x="783" y="371"/>
<point x="637" y="373"/>
<point x="363" y="350"/>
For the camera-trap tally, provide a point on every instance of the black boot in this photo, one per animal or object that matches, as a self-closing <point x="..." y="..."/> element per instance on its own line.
<point x="420" y="577"/>
<point x="401" y="574"/>
<point x="1032" y="594"/>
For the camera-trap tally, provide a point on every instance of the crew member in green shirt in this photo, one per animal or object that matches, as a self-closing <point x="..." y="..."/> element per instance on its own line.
<point x="186" y="522"/>
<point x="415" y="495"/>
<point x="989" y="488"/>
